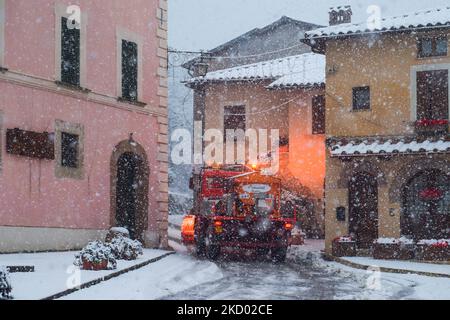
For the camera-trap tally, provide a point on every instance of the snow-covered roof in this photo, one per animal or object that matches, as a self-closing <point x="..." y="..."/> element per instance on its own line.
<point x="300" y="70"/>
<point x="374" y="146"/>
<point x="307" y="77"/>
<point x="424" y="18"/>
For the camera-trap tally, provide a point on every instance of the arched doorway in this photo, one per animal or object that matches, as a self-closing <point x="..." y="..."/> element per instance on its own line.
<point x="129" y="189"/>
<point x="127" y="196"/>
<point x="363" y="209"/>
<point x="426" y="206"/>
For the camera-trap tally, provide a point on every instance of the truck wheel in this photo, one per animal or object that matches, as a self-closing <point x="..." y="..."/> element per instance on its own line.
<point x="261" y="253"/>
<point x="212" y="252"/>
<point x="279" y="254"/>
<point x="200" y="247"/>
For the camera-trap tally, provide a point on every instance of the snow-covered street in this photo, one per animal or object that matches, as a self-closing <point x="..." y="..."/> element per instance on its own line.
<point x="308" y="277"/>
<point x="182" y="276"/>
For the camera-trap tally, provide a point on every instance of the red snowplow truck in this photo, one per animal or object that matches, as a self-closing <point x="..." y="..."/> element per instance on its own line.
<point x="237" y="208"/>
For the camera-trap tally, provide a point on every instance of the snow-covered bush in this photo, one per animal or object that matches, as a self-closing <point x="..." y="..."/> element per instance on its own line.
<point x="433" y="250"/>
<point x="344" y="239"/>
<point x="124" y="248"/>
<point x="402" y="240"/>
<point x="435" y="243"/>
<point x="117" y="232"/>
<point x="96" y="256"/>
<point x="5" y="284"/>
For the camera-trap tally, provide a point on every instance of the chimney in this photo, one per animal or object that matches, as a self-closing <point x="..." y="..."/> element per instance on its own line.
<point x="339" y="15"/>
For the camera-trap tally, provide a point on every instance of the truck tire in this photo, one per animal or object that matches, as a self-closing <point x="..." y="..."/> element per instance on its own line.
<point x="279" y="254"/>
<point x="212" y="252"/>
<point x="200" y="246"/>
<point x="261" y="253"/>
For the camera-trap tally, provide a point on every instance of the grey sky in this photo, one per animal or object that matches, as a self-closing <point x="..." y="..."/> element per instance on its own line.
<point x="205" y="24"/>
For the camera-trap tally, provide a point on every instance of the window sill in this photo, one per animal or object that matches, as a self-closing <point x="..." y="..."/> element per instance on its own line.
<point x="433" y="57"/>
<point x="72" y="87"/>
<point x="360" y="110"/>
<point x="135" y="103"/>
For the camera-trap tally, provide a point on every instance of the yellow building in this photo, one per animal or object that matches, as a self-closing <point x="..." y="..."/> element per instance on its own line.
<point x="387" y="112"/>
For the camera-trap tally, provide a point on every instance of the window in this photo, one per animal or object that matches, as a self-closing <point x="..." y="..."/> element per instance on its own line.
<point x="318" y="114"/>
<point x="234" y="118"/>
<point x="69" y="150"/>
<point x="70" y="54"/>
<point x="432" y="95"/>
<point x="361" y="98"/>
<point x="129" y="70"/>
<point x="432" y="47"/>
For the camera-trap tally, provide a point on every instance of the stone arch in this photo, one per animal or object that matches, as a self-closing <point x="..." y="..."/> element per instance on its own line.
<point x="411" y="169"/>
<point x="426" y="219"/>
<point x="352" y="168"/>
<point x="143" y="171"/>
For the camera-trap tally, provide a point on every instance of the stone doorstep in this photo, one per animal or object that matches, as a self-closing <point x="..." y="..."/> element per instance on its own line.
<point x="351" y="264"/>
<point x="107" y="277"/>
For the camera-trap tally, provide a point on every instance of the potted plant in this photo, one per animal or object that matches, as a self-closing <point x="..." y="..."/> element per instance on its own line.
<point x="124" y="248"/>
<point x="344" y="246"/>
<point x="431" y="125"/>
<point x="5" y="284"/>
<point x="393" y="249"/>
<point x="433" y="250"/>
<point x="96" y="256"/>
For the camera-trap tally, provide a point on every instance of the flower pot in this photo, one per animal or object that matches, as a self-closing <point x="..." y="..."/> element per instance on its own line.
<point x="432" y="253"/>
<point x="344" y="249"/>
<point x="95" y="266"/>
<point x="393" y="251"/>
<point x="431" y="126"/>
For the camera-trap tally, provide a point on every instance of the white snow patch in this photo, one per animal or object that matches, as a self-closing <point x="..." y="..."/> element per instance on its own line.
<point x="390" y="147"/>
<point x="54" y="270"/>
<point x="166" y="277"/>
<point x="427" y="17"/>
<point x="300" y="70"/>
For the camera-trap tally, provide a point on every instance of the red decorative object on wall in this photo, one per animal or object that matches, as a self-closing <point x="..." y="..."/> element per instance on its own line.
<point x="30" y="144"/>
<point x="430" y="194"/>
<point x="431" y="122"/>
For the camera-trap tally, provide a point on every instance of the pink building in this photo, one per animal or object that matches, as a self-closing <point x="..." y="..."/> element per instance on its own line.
<point x="83" y="122"/>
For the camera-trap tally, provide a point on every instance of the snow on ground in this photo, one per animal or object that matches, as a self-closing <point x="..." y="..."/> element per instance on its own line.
<point x="373" y="284"/>
<point x="166" y="277"/>
<point x="54" y="270"/>
<point x="403" y="265"/>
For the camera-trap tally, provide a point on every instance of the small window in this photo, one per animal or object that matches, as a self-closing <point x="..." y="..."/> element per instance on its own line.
<point x="234" y="118"/>
<point x="318" y="114"/>
<point x="69" y="150"/>
<point x="70" y="54"/>
<point x="432" y="95"/>
<point x="361" y="98"/>
<point x="432" y="47"/>
<point x="129" y="70"/>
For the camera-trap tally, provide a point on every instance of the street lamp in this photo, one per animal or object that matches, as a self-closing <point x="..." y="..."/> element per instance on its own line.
<point x="201" y="67"/>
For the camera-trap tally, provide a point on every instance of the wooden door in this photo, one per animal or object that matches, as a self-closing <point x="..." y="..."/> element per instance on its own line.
<point x="363" y="209"/>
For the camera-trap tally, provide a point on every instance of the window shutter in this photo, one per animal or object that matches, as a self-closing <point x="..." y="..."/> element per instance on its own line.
<point x="129" y="70"/>
<point x="318" y="115"/>
<point x="70" y="54"/>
